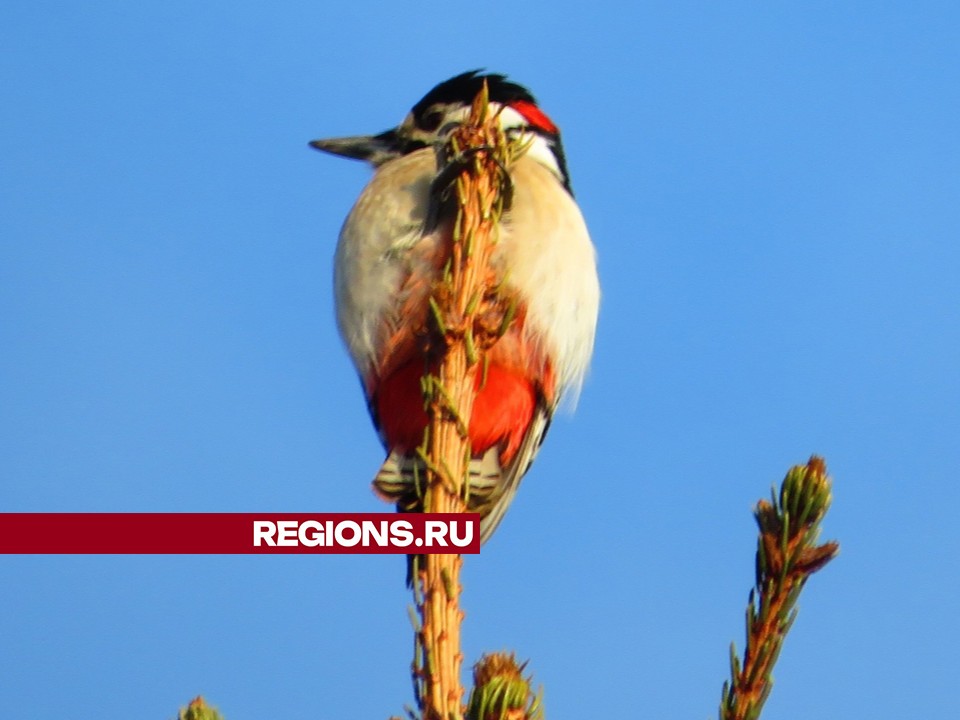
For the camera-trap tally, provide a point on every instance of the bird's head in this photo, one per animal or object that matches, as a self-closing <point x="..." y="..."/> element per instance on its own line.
<point x="438" y="113"/>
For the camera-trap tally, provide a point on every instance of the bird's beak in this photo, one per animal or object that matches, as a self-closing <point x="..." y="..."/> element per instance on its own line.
<point x="374" y="149"/>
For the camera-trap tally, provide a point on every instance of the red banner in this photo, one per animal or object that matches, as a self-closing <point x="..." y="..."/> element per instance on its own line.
<point x="238" y="533"/>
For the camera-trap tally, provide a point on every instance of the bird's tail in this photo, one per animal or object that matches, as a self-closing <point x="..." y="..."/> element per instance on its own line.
<point x="402" y="479"/>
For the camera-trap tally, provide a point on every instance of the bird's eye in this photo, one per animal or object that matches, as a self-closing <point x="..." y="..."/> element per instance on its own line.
<point x="431" y="121"/>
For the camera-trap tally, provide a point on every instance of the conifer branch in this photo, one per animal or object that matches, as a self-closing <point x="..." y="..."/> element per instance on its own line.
<point x="471" y="190"/>
<point x="787" y="555"/>
<point x="501" y="692"/>
<point x="198" y="709"/>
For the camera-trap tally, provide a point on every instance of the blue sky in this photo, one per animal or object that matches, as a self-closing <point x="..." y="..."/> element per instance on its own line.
<point x="773" y="192"/>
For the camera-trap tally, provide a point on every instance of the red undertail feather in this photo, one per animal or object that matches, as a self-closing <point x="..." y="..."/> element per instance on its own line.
<point x="511" y="412"/>
<point x="502" y="411"/>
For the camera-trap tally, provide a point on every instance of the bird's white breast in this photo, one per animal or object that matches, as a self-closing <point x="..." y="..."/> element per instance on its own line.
<point x="544" y="251"/>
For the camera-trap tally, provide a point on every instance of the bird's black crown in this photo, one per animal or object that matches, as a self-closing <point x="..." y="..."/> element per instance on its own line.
<point x="464" y="88"/>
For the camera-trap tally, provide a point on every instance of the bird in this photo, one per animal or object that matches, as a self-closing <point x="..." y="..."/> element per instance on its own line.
<point x="388" y="256"/>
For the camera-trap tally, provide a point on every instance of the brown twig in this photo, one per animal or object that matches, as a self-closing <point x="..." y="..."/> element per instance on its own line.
<point x="463" y="300"/>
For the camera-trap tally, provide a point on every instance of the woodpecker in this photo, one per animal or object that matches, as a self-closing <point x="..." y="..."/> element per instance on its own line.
<point x="389" y="254"/>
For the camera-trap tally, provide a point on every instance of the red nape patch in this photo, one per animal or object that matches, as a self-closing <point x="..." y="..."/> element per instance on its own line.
<point x="535" y="116"/>
<point x="501" y="412"/>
